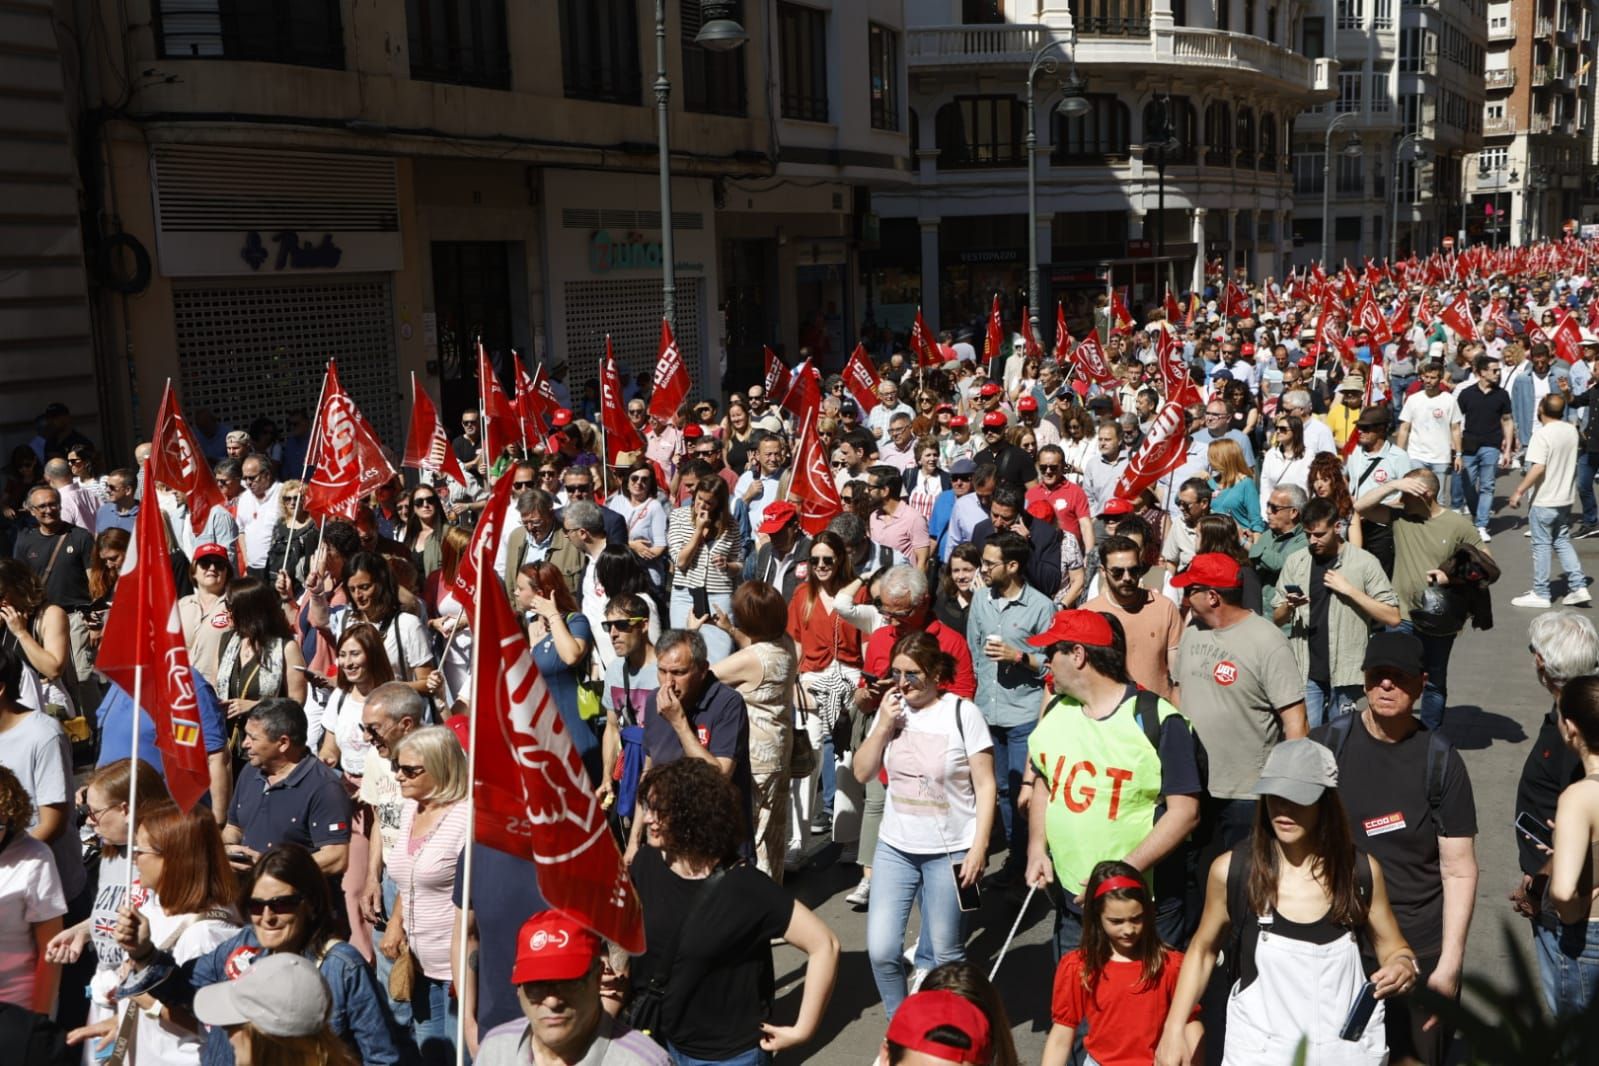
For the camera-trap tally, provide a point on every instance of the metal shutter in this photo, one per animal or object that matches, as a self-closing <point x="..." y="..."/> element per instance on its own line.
<point x="253" y="348"/>
<point x="630" y="311"/>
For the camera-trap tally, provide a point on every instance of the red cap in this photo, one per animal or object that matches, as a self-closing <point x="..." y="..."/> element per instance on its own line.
<point x="959" y="422"/>
<point x="990" y="388"/>
<point x="210" y="551"/>
<point x="1307" y="362"/>
<point x="1076" y="627"/>
<point x="776" y="516"/>
<point x="1246" y="349"/>
<point x="1211" y="570"/>
<point x="1041" y="510"/>
<point x="944" y="407"/>
<point x="995" y="419"/>
<point x="919" y="1015"/>
<point x="552" y="947"/>
<point x="693" y="431"/>
<point x="1117" y="505"/>
<point x="1027" y="403"/>
<point x="561" y="417"/>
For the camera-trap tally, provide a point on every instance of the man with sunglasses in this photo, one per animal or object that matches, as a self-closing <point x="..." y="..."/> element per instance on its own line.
<point x="707" y="449"/>
<point x="257" y="511"/>
<point x="1010" y="462"/>
<point x="577" y="483"/>
<point x="1283" y="537"/>
<point x="1066" y="501"/>
<point x="1182" y="536"/>
<point x="286" y="795"/>
<point x="1152" y="623"/>
<point x="761" y="414"/>
<point x="781" y="560"/>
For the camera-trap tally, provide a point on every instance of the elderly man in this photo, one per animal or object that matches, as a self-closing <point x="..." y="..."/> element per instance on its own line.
<point x="1218" y="423"/>
<point x="1318" y="438"/>
<point x="1410" y="807"/>
<point x="539" y="538"/>
<point x="1284" y="536"/>
<point x="257" y="512"/>
<point x="1331" y="594"/>
<point x="899" y="450"/>
<point x="78" y="502"/>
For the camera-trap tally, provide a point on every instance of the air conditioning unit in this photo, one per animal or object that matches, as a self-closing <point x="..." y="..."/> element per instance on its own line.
<point x="1326" y="78"/>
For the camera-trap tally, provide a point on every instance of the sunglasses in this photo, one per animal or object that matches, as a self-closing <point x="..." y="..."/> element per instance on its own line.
<point x="1119" y="572"/>
<point x="619" y="625"/>
<point x="468" y="421"/>
<point x="576" y="490"/>
<point x="823" y="560"/>
<point x="410" y="773"/>
<point x="433" y="501"/>
<point x="640" y="479"/>
<point x="276" y="904"/>
<point x="960" y="477"/>
<point x="1047" y="468"/>
<point x="1275" y="507"/>
<point x="291" y="497"/>
<point x="372" y="732"/>
<point x="907" y="677"/>
<point x="838" y="465"/>
<point x="521" y="484"/>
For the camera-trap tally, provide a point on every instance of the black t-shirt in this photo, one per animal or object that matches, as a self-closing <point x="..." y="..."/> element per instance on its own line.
<point x="1320" y="667"/>
<point x="1549" y="768"/>
<point x="1482" y="411"/>
<point x="466" y="449"/>
<point x="1011" y="463"/>
<point x="505" y="892"/>
<point x="68" y="583"/>
<point x="1384" y="790"/>
<point x="722" y="983"/>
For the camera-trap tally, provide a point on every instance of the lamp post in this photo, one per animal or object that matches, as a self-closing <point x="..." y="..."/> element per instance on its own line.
<point x="720" y="31"/>
<point x="1415" y="142"/>
<point x="1072" y="103"/>
<point x="1352" y="148"/>
<point x="1532" y="199"/>
<point x="1165" y="143"/>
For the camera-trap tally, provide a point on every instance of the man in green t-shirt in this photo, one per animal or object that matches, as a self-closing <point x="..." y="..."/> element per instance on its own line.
<point x="1096" y="788"/>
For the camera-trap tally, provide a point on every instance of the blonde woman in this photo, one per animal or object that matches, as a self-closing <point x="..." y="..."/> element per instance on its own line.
<point x="1234" y="493"/>
<point x="295" y="538"/>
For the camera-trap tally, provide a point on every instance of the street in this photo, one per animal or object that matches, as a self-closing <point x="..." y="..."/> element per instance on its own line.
<point x="1495" y="705"/>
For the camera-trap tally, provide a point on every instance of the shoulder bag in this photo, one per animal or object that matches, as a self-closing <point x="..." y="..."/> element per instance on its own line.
<point x="646" y="1011"/>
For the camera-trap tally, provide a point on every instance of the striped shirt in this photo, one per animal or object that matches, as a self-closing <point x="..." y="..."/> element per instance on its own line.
<point x="703" y="574"/>
<point x="424" y="871"/>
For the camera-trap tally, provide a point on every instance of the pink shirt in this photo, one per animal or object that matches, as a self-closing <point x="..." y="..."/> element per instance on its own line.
<point x="425" y="875"/>
<point x="904" y="532"/>
<point x="665" y="446"/>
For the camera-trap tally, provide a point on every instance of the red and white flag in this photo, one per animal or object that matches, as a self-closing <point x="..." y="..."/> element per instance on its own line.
<point x="1121" y="319"/>
<point x="1176" y="382"/>
<point x="1173" y="310"/>
<point x="1089" y="358"/>
<point x="621" y="435"/>
<point x="427" y="446"/>
<point x="923" y="344"/>
<point x="486" y="536"/>
<point x="777" y="378"/>
<point x="804" y="391"/>
<point x="350" y="464"/>
<point x="860" y="378"/>
<point x="812" y="481"/>
<point x="177" y="462"/>
<point x="1457" y="316"/>
<point x="1164" y="449"/>
<point x="671" y="382"/>
<point x="994" y="337"/>
<point x="1030" y="345"/>
<point x="1567" y="339"/>
<point x="500" y="427"/>
<point x="531" y="796"/>
<point x="1063" y="336"/>
<point x="143" y="636"/>
<point x="1369" y="317"/>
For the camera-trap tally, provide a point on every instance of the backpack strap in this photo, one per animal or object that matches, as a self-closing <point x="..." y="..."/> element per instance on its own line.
<point x="1147" y="708"/>
<point x="1246" y="924"/>
<point x="1438" y="752"/>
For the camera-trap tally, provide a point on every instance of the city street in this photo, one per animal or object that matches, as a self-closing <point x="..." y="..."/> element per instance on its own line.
<point x="1495" y="705"/>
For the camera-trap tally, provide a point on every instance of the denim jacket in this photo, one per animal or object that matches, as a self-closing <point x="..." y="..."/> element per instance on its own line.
<point x="1522" y="405"/>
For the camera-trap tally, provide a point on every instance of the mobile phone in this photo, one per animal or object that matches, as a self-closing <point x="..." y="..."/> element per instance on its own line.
<point x="1534" y="828"/>
<point x="1293" y="590"/>
<point x="869" y="679"/>
<point x="701" y="601"/>
<point x="1359" y="1013"/>
<point x="970" y="896"/>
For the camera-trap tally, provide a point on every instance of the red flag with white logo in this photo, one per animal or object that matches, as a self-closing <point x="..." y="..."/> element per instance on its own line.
<point x="350" y="464"/>
<point x="500" y="428"/>
<point x="994" y="338"/>
<point x="1063" y="336"/>
<point x="177" y="462"/>
<point x="144" y="636"/>
<point x="777" y="377"/>
<point x="923" y="344"/>
<point x="860" y="378"/>
<point x="812" y="483"/>
<point x="621" y="435"/>
<point x="1568" y="339"/>
<point x="1177" y="383"/>
<point x="1164" y="449"/>
<point x="671" y="384"/>
<point x="1368" y="316"/>
<point x="1457" y="316"/>
<point x="1121" y="318"/>
<point x="531" y="796"/>
<point x="486" y="536"/>
<point x="1089" y="358"/>
<point x="427" y="446"/>
<point x="805" y="390"/>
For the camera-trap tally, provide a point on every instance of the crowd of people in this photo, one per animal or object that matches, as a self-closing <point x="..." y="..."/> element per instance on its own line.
<point x="1201" y="712"/>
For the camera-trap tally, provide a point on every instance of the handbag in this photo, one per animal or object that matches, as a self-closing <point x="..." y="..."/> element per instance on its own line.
<point x="647" y="1009"/>
<point x="802" y="761"/>
<point x="402" y="976"/>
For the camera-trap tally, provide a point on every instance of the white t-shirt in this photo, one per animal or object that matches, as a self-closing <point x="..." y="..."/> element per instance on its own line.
<point x="1431" y="419"/>
<point x="1554" y="444"/>
<point x="342" y="717"/>
<point x="36" y="749"/>
<point x="30" y="892"/>
<point x="931" y="807"/>
<point x="160" y="1041"/>
<point x="257" y="519"/>
<point x="404" y="632"/>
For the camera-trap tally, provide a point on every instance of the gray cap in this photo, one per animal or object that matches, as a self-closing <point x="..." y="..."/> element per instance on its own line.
<point x="281" y="995"/>
<point x="963" y="466"/>
<point x="1299" y="771"/>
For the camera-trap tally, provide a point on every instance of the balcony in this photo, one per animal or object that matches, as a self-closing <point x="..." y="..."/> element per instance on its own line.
<point x="1499" y="126"/>
<point x="966" y="46"/>
<point x="1500" y="79"/>
<point x="1567" y="35"/>
<point x="1506" y="32"/>
<point x="1540" y="77"/>
<point x="1540" y="124"/>
<point x="1544" y="27"/>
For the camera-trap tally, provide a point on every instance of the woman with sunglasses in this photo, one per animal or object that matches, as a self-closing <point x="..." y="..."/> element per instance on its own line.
<point x="1285" y="463"/>
<point x="81" y="459"/>
<point x="639" y="504"/>
<point x="424" y="528"/>
<point x="295" y="537"/>
<point x="259" y="658"/>
<point x="933" y="841"/>
<point x="422" y="863"/>
<point x="203" y="613"/>
<point x="290" y="910"/>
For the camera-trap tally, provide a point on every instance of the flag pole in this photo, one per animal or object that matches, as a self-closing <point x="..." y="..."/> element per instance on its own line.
<point x="310" y="450"/>
<point x="471" y="812"/>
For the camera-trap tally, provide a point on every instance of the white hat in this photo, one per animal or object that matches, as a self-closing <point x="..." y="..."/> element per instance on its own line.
<point x="280" y="994"/>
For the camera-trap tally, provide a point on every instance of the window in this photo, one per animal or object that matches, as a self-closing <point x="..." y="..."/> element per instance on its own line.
<point x="1493" y="159"/>
<point x="1223" y="14"/>
<point x="458" y="41"/>
<point x="1184" y="126"/>
<point x="1271" y="23"/>
<point x="307" y="33"/>
<point x="1313" y="35"/>
<point x="1249" y="16"/>
<point x="802" y="32"/>
<point x="1347" y="228"/>
<point x="1411" y="42"/>
<point x="1219" y="135"/>
<point x="980" y="131"/>
<point x="1349" y="175"/>
<point x="1101" y="134"/>
<point x="1349" y="89"/>
<point x="1349" y="14"/>
<point x="1268" y="142"/>
<point x="883" y="49"/>
<point x="1383" y="17"/>
<point x="1111" y="18"/>
<point x="1379" y="91"/>
<point x="1246" y="137"/>
<point x="1410" y="112"/>
<point x="713" y="82"/>
<point x="982" y="12"/>
<point x="1307" y="173"/>
<point x="599" y="50"/>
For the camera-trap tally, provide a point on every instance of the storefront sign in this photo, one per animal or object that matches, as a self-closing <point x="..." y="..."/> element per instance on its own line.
<point x="627" y="252"/>
<point x="292" y="253"/>
<point x="990" y="255"/>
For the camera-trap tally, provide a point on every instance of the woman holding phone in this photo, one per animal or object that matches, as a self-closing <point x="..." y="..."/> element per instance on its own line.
<point x="706" y="554"/>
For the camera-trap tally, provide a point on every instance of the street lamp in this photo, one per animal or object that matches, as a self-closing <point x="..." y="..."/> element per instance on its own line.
<point x="1532" y="200"/>
<point x="1164" y="146"/>
<point x="1072" y="104"/>
<point x="1416" y="143"/>
<point x="1351" y="149"/>
<point x="720" y="32"/>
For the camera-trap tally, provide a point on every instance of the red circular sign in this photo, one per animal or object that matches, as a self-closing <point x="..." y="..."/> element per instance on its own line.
<point x="1225" y="673"/>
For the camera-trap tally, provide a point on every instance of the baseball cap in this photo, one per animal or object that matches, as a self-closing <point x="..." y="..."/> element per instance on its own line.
<point x="1041" y="510"/>
<point x="1117" y="505"/>
<point x="55" y="410"/>
<point x="1076" y="627"/>
<point x="282" y="994"/>
<point x="921" y="1014"/>
<point x="1353" y="383"/>
<point x="1298" y="771"/>
<point x="1027" y="403"/>
<point x="944" y="407"/>
<point x="959" y="422"/>
<point x="210" y="551"/>
<point x="995" y="420"/>
<point x="693" y="431"/>
<point x="552" y="947"/>
<point x="962" y="467"/>
<point x="1374" y="418"/>
<point x="990" y="388"/>
<point x="561" y="417"/>
<point x="776" y="516"/>
<point x="1307" y="362"/>
<point x="1211" y="570"/>
<point x="461" y="726"/>
<point x="1395" y="650"/>
<point x="1246" y="349"/>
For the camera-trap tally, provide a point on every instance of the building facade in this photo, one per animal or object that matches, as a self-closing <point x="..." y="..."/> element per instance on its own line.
<point x="1205" y="92"/>
<point x="386" y="183"/>
<point x="1410" y="95"/>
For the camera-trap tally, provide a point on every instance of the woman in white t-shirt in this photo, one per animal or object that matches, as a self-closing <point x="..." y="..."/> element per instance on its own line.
<point x="938" y="814"/>
<point x="31" y="903"/>
<point x="374" y="599"/>
<point x="363" y="666"/>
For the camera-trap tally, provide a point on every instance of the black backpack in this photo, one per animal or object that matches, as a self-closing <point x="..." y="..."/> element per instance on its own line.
<point x="1239" y="955"/>
<point x="1147" y="711"/>
<point x="1438" y="749"/>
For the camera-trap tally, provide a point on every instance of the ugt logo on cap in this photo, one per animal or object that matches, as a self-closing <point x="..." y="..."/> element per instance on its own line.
<point x="543" y="938"/>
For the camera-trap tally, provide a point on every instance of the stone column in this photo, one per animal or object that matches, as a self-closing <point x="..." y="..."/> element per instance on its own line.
<point x="1198" y="284"/>
<point x="930" y="271"/>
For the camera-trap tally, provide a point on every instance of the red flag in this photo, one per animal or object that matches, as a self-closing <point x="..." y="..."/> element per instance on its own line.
<point x="671" y="377"/>
<point x="1030" y="345"/>
<point x="526" y="402"/>
<point x="1173" y="310"/>
<point x="427" y="446"/>
<point x="1368" y="316"/>
<point x="543" y="401"/>
<point x="1164" y="449"/>
<point x="486" y="536"/>
<point x="778" y="378"/>
<point x="144" y="636"/>
<point x="531" y="796"/>
<point x="1568" y="339"/>
<point x="860" y="378"/>
<point x="1089" y="358"/>
<point x="500" y="429"/>
<point x="1178" y="385"/>
<point x="177" y="462"/>
<point x="923" y="346"/>
<point x="1457" y="316"/>
<point x="1399" y="323"/>
<point x="1237" y="300"/>
<point x="994" y="339"/>
<point x="1121" y="319"/>
<point x="805" y="391"/>
<point x="1063" y="336"/>
<point x="1425" y="313"/>
<point x="350" y="464"/>
<point x="812" y="481"/>
<point x="1593" y="313"/>
<point x="621" y="435"/>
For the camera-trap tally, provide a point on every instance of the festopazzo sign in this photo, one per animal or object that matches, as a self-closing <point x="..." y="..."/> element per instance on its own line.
<point x="628" y="251"/>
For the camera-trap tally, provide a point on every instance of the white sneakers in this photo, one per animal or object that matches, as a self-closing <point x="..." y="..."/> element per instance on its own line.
<point x="1577" y="598"/>
<point x="862" y="894"/>
<point x="1531" y="599"/>
<point x="1482" y="531"/>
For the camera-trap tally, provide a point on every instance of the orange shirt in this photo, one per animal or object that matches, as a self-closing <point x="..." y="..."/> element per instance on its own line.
<point x="821" y="633"/>
<point x="1152" y="632"/>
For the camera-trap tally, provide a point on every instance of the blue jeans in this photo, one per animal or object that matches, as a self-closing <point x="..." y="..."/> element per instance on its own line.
<point x="1321" y="698"/>
<point x="1586" y="468"/>
<point x="402" y="1011"/>
<point x="1010" y="762"/>
<point x="1568" y="963"/>
<point x="1435" y="657"/>
<point x="1480" y="471"/>
<point x="827" y="757"/>
<point x="755" y="1056"/>
<point x="718" y="645"/>
<point x="898" y="878"/>
<point x="433" y="1017"/>
<point x="1551" y="528"/>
